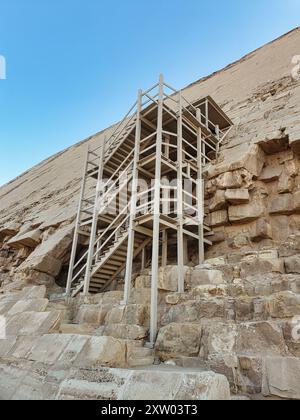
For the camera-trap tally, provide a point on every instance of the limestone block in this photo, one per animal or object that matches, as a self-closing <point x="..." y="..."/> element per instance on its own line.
<point x="292" y="264"/>
<point x="286" y="183"/>
<point x="294" y="140"/>
<point x="168" y="278"/>
<point x="284" y="305"/>
<point x="33" y="305"/>
<point x="32" y="292"/>
<point x="29" y="239"/>
<point x="218" y="202"/>
<point x="271" y="173"/>
<point x="44" y="263"/>
<point x="34" y="323"/>
<point x="49" y="348"/>
<point x="6" y="346"/>
<point x="163" y="385"/>
<point x="193" y="311"/>
<point x="237" y="196"/>
<point x="10" y="229"/>
<point x="92" y="314"/>
<point x="140" y="296"/>
<point x="36" y="277"/>
<point x="179" y="339"/>
<point x="261" y="266"/>
<point x="115" y="315"/>
<point x="246" y="212"/>
<point x="283" y="204"/>
<point x="296" y="201"/>
<point x="281" y="377"/>
<point x="23" y="346"/>
<point x="135" y="314"/>
<point x="217" y="218"/>
<point x="73" y="348"/>
<point x="230" y="180"/>
<point x="102" y="351"/>
<point x="87" y="384"/>
<point x="206" y="277"/>
<point x="125" y="331"/>
<point x="143" y="282"/>
<point x="261" y="230"/>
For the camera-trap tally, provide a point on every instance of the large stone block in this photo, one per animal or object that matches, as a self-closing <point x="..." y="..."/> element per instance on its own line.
<point x="163" y="385"/>
<point x="292" y="264"/>
<point x="283" y="204"/>
<point x="102" y="351"/>
<point x="238" y="196"/>
<point x="92" y="314"/>
<point x="201" y="276"/>
<point x="49" y="348"/>
<point x="168" y="278"/>
<point x="218" y="202"/>
<point x="246" y="212"/>
<point x="281" y="377"/>
<point x="34" y="323"/>
<point x="29" y="239"/>
<point x="125" y="331"/>
<point x="284" y="305"/>
<point x="217" y="218"/>
<point x="271" y="173"/>
<point x="29" y="305"/>
<point x="179" y="340"/>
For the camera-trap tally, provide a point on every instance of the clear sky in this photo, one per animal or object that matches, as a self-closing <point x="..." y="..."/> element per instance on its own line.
<point x="74" y="66"/>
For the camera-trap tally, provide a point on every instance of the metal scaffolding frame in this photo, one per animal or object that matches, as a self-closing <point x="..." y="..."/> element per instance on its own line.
<point x="162" y="138"/>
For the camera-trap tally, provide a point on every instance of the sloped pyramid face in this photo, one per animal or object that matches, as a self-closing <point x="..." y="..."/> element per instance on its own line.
<point x="239" y="315"/>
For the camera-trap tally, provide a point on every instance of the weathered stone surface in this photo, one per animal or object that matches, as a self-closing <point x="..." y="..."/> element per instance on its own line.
<point x="218" y="202"/>
<point x="163" y="385"/>
<point x="33" y="323"/>
<point x="92" y="314"/>
<point x="125" y="331"/>
<point x="35" y="305"/>
<point x="281" y="377"/>
<point x="284" y="305"/>
<point x="202" y="276"/>
<point x="217" y="218"/>
<point x="261" y="230"/>
<point x="49" y="348"/>
<point x="168" y="278"/>
<point x="283" y="204"/>
<point x="225" y="341"/>
<point x="143" y="282"/>
<point x="271" y="173"/>
<point x="29" y="239"/>
<point x="246" y="212"/>
<point x="102" y="351"/>
<point x="292" y="264"/>
<point x="179" y="339"/>
<point x="44" y="263"/>
<point x="238" y="196"/>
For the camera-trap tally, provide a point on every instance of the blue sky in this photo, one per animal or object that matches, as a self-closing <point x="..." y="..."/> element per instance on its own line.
<point x="74" y="66"/>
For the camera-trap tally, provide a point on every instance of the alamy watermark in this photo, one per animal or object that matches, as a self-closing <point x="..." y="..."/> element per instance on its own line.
<point x="296" y="67"/>
<point x="2" y="328"/>
<point x="2" y="68"/>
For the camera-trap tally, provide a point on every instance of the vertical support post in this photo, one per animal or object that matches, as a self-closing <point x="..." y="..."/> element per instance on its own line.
<point x="164" y="256"/>
<point x="180" y="157"/>
<point x="218" y="139"/>
<point x="206" y="113"/>
<point x="133" y="205"/>
<point x="94" y="224"/>
<point x="77" y="227"/>
<point x="156" y="216"/>
<point x="200" y="192"/>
